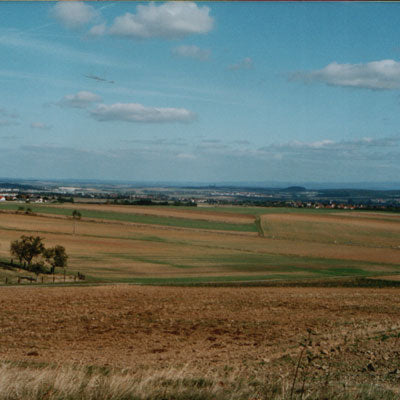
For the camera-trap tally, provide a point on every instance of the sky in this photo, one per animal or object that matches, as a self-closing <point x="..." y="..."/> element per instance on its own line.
<point x="200" y="92"/>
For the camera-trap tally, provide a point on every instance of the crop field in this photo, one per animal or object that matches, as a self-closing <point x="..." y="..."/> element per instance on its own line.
<point x="197" y="245"/>
<point x="282" y="325"/>
<point x="133" y="342"/>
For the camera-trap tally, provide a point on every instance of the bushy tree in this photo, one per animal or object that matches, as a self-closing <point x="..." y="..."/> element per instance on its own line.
<point x="17" y="250"/>
<point x="27" y="248"/>
<point x="56" y="257"/>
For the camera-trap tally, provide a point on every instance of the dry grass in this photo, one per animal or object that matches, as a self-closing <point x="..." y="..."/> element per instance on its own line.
<point x="74" y="382"/>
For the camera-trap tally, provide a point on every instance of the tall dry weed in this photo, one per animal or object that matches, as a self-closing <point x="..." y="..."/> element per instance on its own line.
<point x="18" y="382"/>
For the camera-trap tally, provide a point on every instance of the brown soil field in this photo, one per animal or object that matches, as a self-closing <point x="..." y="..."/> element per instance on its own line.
<point x="351" y="333"/>
<point x="362" y="220"/>
<point x="356" y="230"/>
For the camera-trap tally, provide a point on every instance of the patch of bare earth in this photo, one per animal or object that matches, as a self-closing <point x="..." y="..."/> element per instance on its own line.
<point x="128" y="326"/>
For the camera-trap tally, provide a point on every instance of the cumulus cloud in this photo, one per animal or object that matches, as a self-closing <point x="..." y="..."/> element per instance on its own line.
<point x="81" y="99"/>
<point x="40" y="125"/>
<point x="191" y="52"/>
<point x="74" y="14"/>
<point x="375" y="75"/>
<point x="97" y="30"/>
<point x="169" y="20"/>
<point x="246" y="63"/>
<point x="133" y="112"/>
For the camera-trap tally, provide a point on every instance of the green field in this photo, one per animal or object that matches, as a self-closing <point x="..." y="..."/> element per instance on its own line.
<point x="138" y="218"/>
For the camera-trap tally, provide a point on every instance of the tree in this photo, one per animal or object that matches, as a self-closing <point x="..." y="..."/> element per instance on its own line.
<point x="56" y="257"/>
<point x="76" y="214"/>
<point x="27" y="248"/>
<point x="17" y="250"/>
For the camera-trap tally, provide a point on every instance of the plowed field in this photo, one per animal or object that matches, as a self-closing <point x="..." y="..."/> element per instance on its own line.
<point x="205" y="328"/>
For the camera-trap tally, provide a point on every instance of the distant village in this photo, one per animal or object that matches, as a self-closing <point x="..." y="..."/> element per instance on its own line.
<point x="294" y="197"/>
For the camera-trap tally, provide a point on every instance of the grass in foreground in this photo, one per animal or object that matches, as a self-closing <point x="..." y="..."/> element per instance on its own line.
<point x="61" y="383"/>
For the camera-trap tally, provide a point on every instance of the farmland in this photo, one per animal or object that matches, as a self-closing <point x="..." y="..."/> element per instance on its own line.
<point x="204" y="303"/>
<point x="194" y="245"/>
<point x="124" y="342"/>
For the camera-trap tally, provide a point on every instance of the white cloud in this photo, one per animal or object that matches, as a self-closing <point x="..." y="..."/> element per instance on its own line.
<point x="97" y="30"/>
<point x="133" y="112"/>
<point x="168" y="20"/>
<point x="376" y="75"/>
<point x="40" y="125"/>
<point x="191" y="52"/>
<point x="246" y="63"/>
<point x="81" y="99"/>
<point x="74" y="14"/>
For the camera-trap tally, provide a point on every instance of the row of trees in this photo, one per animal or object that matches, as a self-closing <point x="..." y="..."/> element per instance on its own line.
<point x="28" y="249"/>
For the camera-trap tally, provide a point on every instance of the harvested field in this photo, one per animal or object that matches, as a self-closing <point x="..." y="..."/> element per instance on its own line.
<point x="177" y="212"/>
<point x="129" y="214"/>
<point x="294" y="245"/>
<point x="358" y="228"/>
<point x="219" y="334"/>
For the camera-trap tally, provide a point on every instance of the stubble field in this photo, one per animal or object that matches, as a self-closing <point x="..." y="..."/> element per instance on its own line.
<point x="181" y="245"/>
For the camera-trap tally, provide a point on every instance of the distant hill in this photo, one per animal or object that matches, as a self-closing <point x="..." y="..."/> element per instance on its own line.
<point x="295" y="189"/>
<point x="12" y="185"/>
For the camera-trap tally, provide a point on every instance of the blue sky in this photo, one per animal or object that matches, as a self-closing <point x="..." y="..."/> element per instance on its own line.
<point x="200" y="92"/>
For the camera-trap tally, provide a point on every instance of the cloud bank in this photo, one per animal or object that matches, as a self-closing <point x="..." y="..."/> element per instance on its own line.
<point x="134" y="112"/>
<point x="375" y="75"/>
